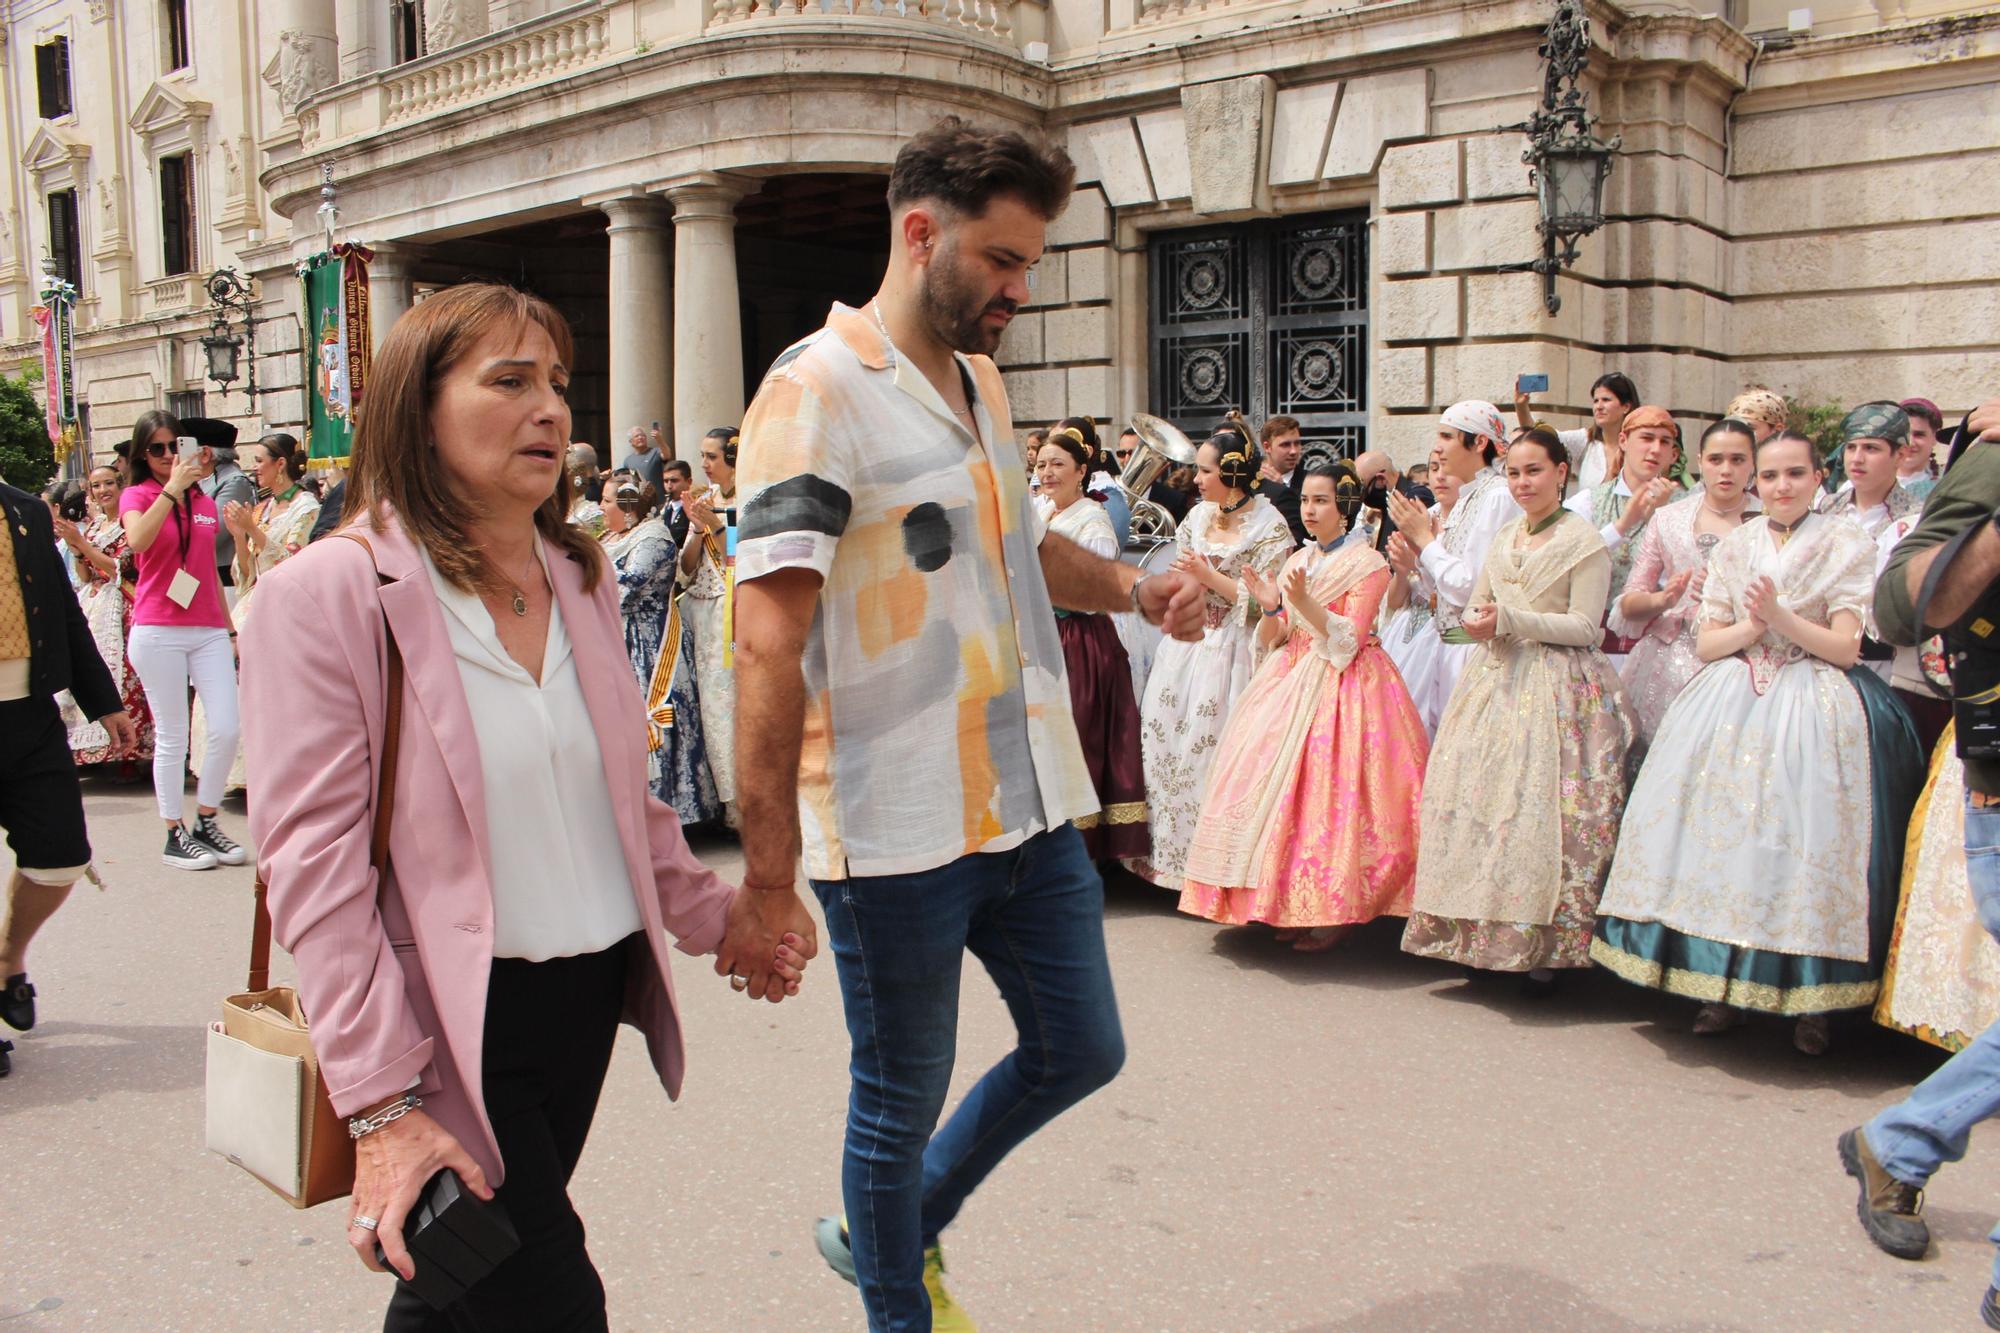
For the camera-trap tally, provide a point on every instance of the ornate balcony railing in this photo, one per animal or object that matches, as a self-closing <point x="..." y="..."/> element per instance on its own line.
<point x="992" y="18"/>
<point x="494" y="65"/>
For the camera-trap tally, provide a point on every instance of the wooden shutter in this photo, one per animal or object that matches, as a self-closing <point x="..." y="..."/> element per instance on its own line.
<point x="64" y="243"/>
<point x="52" y="78"/>
<point x="176" y="215"/>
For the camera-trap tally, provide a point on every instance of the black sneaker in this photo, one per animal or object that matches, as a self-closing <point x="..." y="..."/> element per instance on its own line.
<point x="17" y="1003"/>
<point x="185" y="853"/>
<point x="209" y="834"/>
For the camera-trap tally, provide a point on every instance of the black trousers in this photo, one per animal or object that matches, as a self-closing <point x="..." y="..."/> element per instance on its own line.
<point x="41" y="803"/>
<point x="549" y="1032"/>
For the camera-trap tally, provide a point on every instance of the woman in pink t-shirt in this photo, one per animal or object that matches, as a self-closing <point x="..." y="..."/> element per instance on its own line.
<point x="180" y="630"/>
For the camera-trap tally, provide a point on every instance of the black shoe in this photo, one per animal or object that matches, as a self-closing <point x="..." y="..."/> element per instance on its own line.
<point x="184" y="853"/>
<point x="7" y="1067"/>
<point x="1989" y="1309"/>
<point x="1538" y="988"/>
<point x="1891" y="1212"/>
<point x="210" y="835"/>
<point x="17" y="1003"/>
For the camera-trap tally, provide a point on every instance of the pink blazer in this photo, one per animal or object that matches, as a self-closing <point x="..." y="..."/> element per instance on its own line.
<point x="394" y="976"/>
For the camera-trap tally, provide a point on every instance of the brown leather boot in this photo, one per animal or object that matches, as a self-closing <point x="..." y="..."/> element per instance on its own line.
<point x="1891" y="1212"/>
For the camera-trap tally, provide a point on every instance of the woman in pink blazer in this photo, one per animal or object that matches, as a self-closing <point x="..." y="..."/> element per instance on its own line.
<point x="532" y="874"/>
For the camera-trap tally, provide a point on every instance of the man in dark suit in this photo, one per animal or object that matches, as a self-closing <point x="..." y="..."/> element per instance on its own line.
<point x="1283" y="444"/>
<point x="45" y="648"/>
<point x="677" y="477"/>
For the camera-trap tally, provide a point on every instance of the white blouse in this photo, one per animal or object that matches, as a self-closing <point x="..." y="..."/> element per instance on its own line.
<point x="560" y="886"/>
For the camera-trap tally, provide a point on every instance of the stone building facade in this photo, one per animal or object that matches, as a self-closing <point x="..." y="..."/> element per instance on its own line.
<point x="134" y="139"/>
<point x="1311" y="206"/>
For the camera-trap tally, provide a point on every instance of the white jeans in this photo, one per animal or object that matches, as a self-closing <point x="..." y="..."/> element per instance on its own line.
<point x="168" y="658"/>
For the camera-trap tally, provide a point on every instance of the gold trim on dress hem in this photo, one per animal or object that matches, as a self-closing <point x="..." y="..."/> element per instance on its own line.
<point x="1125" y="812"/>
<point x="1793" y="1002"/>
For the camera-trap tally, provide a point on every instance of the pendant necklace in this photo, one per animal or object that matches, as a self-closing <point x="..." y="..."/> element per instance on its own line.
<point x="1785" y="530"/>
<point x="520" y="603"/>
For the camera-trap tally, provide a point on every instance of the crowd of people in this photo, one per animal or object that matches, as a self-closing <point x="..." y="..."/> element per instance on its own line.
<point x="1611" y="696"/>
<point x="1535" y="706"/>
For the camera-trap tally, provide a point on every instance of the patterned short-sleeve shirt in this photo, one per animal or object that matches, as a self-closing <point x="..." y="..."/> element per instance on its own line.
<point x="937" y="713"/>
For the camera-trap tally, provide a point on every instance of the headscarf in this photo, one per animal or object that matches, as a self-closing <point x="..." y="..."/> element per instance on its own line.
<point x="1758" y="406"/>
<point x="1924" y="408"/>
<point x="1877" y="421"/>
<point x="1657" y="418"/>
<point x="1477" y="418"/>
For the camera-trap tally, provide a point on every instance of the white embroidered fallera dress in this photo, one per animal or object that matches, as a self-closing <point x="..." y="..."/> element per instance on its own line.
<point x="1193" y="686"/>
<point x="1751" y="820"/>
<point x="1449" y="568"/>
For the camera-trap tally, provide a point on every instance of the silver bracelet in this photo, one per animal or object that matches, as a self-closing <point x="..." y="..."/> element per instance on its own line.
<point x="363" y="1125"/>
<point x="1136" y="584"/>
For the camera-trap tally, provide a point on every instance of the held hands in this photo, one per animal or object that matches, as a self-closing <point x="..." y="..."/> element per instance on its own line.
<point x="391" y="1167"/>
<point x="1481" y="622"/>
<point x="1412" y="520"/>
<point x="1173" y="601"/>
<point x="768" y="938"/>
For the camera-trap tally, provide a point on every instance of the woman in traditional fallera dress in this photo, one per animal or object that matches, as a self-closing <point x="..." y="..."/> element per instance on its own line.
<point x="1193" y="686"/>
<point x="1942" y="982"/>
<point x="1762" y="848"/>
<point x="1662" y="601"/>
<point x="1406" y="623"/>
<point x="1527" y="776"/>
<point x="661" y="645"/>
<point x="268" y="533"/>
<point x="1100" y="677"/>
<point x="107" y="573"/>
<point x="1450" y="554"/>
<point x="1310" y="823"/>
<point x="704" y="573"/>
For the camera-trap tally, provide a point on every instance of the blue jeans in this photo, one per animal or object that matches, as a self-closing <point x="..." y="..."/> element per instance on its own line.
<point x="1934" y="1123"/>
<point x="1035" y="917"/>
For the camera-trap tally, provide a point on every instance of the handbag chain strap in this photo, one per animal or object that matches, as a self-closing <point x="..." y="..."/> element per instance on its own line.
<point x="385" y="795"/>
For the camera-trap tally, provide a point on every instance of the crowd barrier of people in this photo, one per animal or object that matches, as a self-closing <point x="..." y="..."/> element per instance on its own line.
<point x="1616" y="696"/>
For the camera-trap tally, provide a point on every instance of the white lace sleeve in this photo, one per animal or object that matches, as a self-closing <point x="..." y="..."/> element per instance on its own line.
<point x="1340" y="642"/>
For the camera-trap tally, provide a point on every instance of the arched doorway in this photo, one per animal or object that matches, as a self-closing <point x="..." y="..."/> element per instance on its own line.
<point x="802" y="243"/>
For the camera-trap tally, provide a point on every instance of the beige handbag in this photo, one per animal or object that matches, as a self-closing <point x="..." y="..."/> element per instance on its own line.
<point x="268" y="1107"/>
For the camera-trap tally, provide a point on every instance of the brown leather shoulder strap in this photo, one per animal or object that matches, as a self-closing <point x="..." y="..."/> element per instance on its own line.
<point x="385" y="794"/>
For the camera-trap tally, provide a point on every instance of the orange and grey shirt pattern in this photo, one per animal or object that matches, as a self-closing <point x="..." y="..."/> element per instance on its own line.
<point x="937" y="713"/>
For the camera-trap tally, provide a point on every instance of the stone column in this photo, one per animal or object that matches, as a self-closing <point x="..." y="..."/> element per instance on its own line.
<point x="307" y="57"/>
<point x="708" y="322"/>
<point x="389" y="290"/>
<point x="640" y="298"/>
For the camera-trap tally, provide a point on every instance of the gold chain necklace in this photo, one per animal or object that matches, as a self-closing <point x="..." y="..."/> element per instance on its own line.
<point x="520" y="598"/>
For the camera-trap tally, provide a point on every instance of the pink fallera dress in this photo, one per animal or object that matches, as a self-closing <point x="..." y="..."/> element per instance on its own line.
<point x="1311" y="810"/>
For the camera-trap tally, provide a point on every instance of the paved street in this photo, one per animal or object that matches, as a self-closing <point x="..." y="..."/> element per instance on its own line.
<point x="1358" y="1140"/>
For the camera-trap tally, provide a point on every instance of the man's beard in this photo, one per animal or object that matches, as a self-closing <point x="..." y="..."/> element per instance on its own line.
<point x="954" y="312"/>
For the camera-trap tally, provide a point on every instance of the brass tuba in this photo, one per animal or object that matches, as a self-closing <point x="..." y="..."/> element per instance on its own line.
<point x="1160" y="447"/>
